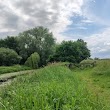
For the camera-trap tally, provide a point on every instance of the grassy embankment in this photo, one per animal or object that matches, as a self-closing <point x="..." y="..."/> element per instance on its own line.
<point x="97" y="80"/>
<point x="15" y="68"/>
<point x="54" y="87"/>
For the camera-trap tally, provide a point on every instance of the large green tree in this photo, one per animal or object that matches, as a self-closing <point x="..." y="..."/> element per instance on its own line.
<point x="71" y="51"/>
<point x="38" y="40"/>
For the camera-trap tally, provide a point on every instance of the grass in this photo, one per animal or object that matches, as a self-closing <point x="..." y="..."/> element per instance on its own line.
<point x="54" y="87"/>
<point x="15" y="68"/>
<point x="97" y="80"/>
<point x="102" y="68"/>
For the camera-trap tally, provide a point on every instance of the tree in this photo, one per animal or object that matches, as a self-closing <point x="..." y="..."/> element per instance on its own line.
<point x="71" y="51"/>
<point x="39" y="40"/>
<point x="2" y="43"/>
<point x="10" y="42"/>
<point x="33" y="60"/>
<point x="8" y="57"/>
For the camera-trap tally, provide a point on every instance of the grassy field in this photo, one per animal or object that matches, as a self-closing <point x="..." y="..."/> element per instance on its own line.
<point x="54" y="87"/>
<point x="97" y="80"/>
<point x="15" y="68"/>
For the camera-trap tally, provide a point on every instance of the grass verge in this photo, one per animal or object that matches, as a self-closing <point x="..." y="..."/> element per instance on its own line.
<point x="15" y="68"/>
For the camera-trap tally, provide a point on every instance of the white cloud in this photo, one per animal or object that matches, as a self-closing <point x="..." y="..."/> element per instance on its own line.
<point x="99" y="44"/>
<point x="7" y="30"/>
<point x="87" y="21"/>
<point x="22" y="14"/>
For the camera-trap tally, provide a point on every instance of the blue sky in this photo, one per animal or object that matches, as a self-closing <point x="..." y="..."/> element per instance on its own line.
<point x="82" y="27"/>
<point x="92" y="25"/>
<point x="88" y="24"/>
<point x="67" y="19"/>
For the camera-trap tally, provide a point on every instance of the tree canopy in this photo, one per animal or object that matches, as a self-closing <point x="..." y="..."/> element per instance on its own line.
<point x="38" y="40"/>
<point x="41" y="40"/>
<point x="10" y="42"/>
<point x="71" y="51"/>
<point x="8" y="57"/>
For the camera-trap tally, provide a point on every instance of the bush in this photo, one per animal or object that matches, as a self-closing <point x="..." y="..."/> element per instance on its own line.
<point x="33" y="60"/>
<point x="87" y="63"/>
<point x="8" y="57"/>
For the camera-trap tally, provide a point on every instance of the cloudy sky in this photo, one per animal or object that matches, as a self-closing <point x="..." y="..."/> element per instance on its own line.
<point x="67" y="19"/>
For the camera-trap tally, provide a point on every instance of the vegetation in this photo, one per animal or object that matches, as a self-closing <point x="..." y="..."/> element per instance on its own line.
<point x="15" y="68"/>
<point x="8" y="57"/>
<point x="103" y="68"/>
<point x="33" y="60"/>
<point x="55" y="87"/>
<point x="10" y="42"/>
<point x="71" y="51"/>
<point x="38" y="40"/>
<point x="87" y="63"/>
<point x="52" y="88"/>
<point x="97" y="80"/>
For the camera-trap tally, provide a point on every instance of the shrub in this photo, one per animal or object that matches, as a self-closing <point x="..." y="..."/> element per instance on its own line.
<point x="33" y="60"/>
<point x="8" y="57"/>
<point x="88" y="63"/>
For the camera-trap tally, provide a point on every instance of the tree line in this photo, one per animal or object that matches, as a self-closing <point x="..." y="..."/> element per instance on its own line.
<point x="38" y="46"/>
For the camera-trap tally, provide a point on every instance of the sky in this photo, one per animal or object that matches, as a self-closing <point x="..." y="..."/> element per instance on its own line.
<point x="67" y="19"/>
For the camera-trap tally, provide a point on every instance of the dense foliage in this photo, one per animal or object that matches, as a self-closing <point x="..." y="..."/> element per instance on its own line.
<point x="41" y="40"/>
<point x="36" y="40"/>
<point x="71" y="51"/>
<point x="10" y="42"/>
<point x="8" y="57"/>
<point x="33" y="60"/>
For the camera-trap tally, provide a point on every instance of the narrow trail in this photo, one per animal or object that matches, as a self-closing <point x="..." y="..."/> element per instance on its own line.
<point x="8" y="77"/>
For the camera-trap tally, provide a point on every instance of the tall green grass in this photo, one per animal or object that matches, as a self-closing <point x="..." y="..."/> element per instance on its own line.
<point x="51" y="88"/>
<point x="15" y="68"/>
<point x="98" y="79"/>
<point x="102" y="68"/>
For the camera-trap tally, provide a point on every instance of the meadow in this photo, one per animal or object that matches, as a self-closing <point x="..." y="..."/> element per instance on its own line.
<point x="54" y="87"/>
<point x="97" y="80"/>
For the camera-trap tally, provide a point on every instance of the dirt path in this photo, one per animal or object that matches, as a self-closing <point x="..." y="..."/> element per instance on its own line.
<point x="8" y="77"/>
